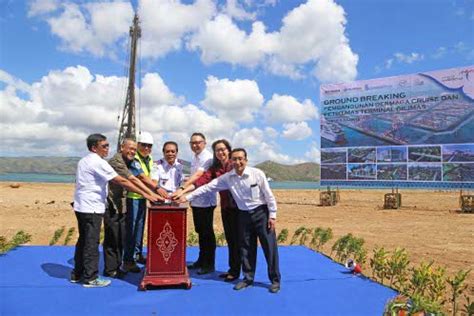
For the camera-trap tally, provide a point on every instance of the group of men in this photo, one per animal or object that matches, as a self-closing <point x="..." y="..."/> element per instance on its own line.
<point x="117" y="192"/>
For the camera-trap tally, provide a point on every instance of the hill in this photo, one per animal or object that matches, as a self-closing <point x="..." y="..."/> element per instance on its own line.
<point x="53" y="165"/>
<point x="308" y="171"/>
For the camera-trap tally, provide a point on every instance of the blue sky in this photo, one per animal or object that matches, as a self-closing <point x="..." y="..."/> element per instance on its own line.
<point x="246" y="70"/>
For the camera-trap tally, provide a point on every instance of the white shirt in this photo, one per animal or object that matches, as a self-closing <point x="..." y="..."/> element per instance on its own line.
<point x="169" y="177"/>
<point x="92" y="177"/>
<point x="250" y="190"/>
<point x="202" y="162"/>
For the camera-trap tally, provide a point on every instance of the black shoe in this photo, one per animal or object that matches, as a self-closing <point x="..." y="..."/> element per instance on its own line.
<point x="205" y="270"/>
<point x="223" y="275"/>
<point x="242" y="285"/>
<point x="194" y="265"/>
<point x="230" y="278"/>
<point x="74" y="278"/>
<point x="141" y="259"/>
<point x="274" y="288"/>
<point x="131" y="267"/>
<point x="115" y="274"/>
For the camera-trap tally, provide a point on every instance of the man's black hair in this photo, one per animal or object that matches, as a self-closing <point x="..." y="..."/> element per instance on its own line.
<point x="239" y="149"/>
<point x="170" y="143"/>
<point x="94" y="139"/>
<point x="198" y="134"/>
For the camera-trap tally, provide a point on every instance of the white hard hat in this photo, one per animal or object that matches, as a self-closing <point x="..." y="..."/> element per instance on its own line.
<point x="145" y="138"/>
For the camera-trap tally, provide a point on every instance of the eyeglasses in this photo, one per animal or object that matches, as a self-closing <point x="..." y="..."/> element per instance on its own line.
<point x="105" y="145"/>
<point x="146" y="145"/>
<point x="196" y="142"/>
<point x="221" y="150"/>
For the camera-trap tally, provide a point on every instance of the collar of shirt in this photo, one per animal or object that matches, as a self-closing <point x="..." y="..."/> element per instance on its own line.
<point x="245" y="174"/>
<point x="166" y="165"/>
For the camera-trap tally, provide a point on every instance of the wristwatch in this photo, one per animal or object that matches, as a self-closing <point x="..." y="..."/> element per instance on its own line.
<point x="181" y="187"/>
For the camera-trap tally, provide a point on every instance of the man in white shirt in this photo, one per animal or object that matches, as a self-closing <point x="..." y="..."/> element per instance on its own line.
<point x="202" y="206"/>
<point x="168" y="171"/>
<point x="257" y="216"/>
<point x="90" y="201"/>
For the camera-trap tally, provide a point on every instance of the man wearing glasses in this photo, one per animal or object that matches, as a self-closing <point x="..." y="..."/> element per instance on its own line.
<point x="203" y="207"/>
<point x="136" y="205"/>
<point x="90" y="199"/>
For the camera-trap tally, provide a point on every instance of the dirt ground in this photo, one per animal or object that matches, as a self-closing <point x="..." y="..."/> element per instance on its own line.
<point x="428" y="225"/>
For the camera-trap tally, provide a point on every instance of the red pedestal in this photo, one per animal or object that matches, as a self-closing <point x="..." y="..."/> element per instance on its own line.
<point x="166" y="263"/>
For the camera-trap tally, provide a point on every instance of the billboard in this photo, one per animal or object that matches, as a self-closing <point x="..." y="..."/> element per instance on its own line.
<point x="413" y="128"/>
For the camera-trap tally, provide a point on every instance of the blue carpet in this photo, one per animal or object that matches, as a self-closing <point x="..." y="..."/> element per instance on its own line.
<point x="34" y="281"/>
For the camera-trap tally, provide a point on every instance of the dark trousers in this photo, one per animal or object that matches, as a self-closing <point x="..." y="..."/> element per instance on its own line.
<point x="203" y="218"/>
<point x="86" y="256"/>
<point x="135" y="226"/>
<point x="231" y="231"/>
<point x="114" y="239"/>
<point x="253" y="225"/>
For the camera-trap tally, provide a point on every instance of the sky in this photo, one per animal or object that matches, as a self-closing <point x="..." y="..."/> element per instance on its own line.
<point x="245" y="70"/>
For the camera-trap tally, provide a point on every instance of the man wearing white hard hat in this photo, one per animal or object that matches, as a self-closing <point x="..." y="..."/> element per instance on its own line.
<point x="136" y="205"/>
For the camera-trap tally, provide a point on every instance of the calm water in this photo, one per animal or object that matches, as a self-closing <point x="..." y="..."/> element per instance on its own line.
<point x="287" y="185"/>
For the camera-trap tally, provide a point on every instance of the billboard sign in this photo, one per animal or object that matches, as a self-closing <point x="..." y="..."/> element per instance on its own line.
<point x="417" y="127"/>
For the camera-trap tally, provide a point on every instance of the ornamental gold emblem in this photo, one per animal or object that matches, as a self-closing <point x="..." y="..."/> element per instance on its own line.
<point x="167" y="242"/>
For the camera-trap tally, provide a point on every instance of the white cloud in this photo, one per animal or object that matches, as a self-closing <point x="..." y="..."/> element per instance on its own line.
<point x="285" y="108"/>
<point x="94" y="27"/>
<point x="313" y="154"/>
<point x="408" y="58"/>
<point x="311" y="34"/>
<point x="235" y="9"/>
<point x="166" y="24"/>
<point x="67" y="105"/>
<point x="297" y="131"/>
<point x="40" y="7"/>
<point x="236" y="100"/>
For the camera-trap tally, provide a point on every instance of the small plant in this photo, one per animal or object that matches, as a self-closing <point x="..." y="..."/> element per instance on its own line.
<point x="348" y="246"/>
<point x="57" y="234"/>
<point x="457" y="283"/>
<point x="297" y="235"/>
<point x="421" y="304"/>
<point x="69" y="234"/>
<point x="282" y="236"/>
<point x="379" y="264"/>
<point x="420" y="279"/>
<point x="468" y="307"/>
<point x="192" y="238"/>
<point x="397" y="266"/>
<point x="304" y="236"/>
<point x="437" y="287"/>
<point x="220" y="239"/>
<point x="320" y="237"/>
<point x="18" y="239"/>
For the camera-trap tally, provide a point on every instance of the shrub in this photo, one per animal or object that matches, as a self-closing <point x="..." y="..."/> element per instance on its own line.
<point x="297" y="235"/>
<point x="282" y="236"/>
<point x="320" y="237"/>
<point x="57" y="234"/>
<point x="420" y="279"/>
<point x="349" y="246"/>
<point x="192" y="238"/>
<point x="379" y="264"/>
<point x="69" y="234"/>
<point x="457" y="284"/>
<point x="220" y="239"/>
<point x="397" y="266"/>
<point x="18" y="239"/>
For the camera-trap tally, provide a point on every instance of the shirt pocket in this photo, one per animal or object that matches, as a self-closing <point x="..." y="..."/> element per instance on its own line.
<point x="254" y="191"/>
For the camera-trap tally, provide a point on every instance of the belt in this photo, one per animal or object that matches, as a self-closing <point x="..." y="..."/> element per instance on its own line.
<point x="258" y="208"/>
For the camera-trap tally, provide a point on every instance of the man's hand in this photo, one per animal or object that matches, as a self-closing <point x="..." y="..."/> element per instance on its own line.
<point x="182" y="199"/>
<point x="177" y="194"/>
<point x="152" y="197"/>
<point x="162" y="192"/>
<point x="271" y="223"/>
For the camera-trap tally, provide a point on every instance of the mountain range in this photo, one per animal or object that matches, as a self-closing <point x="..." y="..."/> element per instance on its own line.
<point x="67" y="165"/>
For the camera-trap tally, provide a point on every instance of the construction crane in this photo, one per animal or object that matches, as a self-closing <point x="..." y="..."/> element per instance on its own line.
<point x="127" y="125"/>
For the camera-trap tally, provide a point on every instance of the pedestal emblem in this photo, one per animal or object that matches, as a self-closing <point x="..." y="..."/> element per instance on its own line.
<point x="167" y="242"/>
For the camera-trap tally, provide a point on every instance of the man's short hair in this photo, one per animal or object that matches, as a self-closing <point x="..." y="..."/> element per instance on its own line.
<point x="127" y="139"/>
<point x="170" y="143"/>
<point x="94" y="139"/>
<point x="237" y="150"/>
<point x="198" y="134"/>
